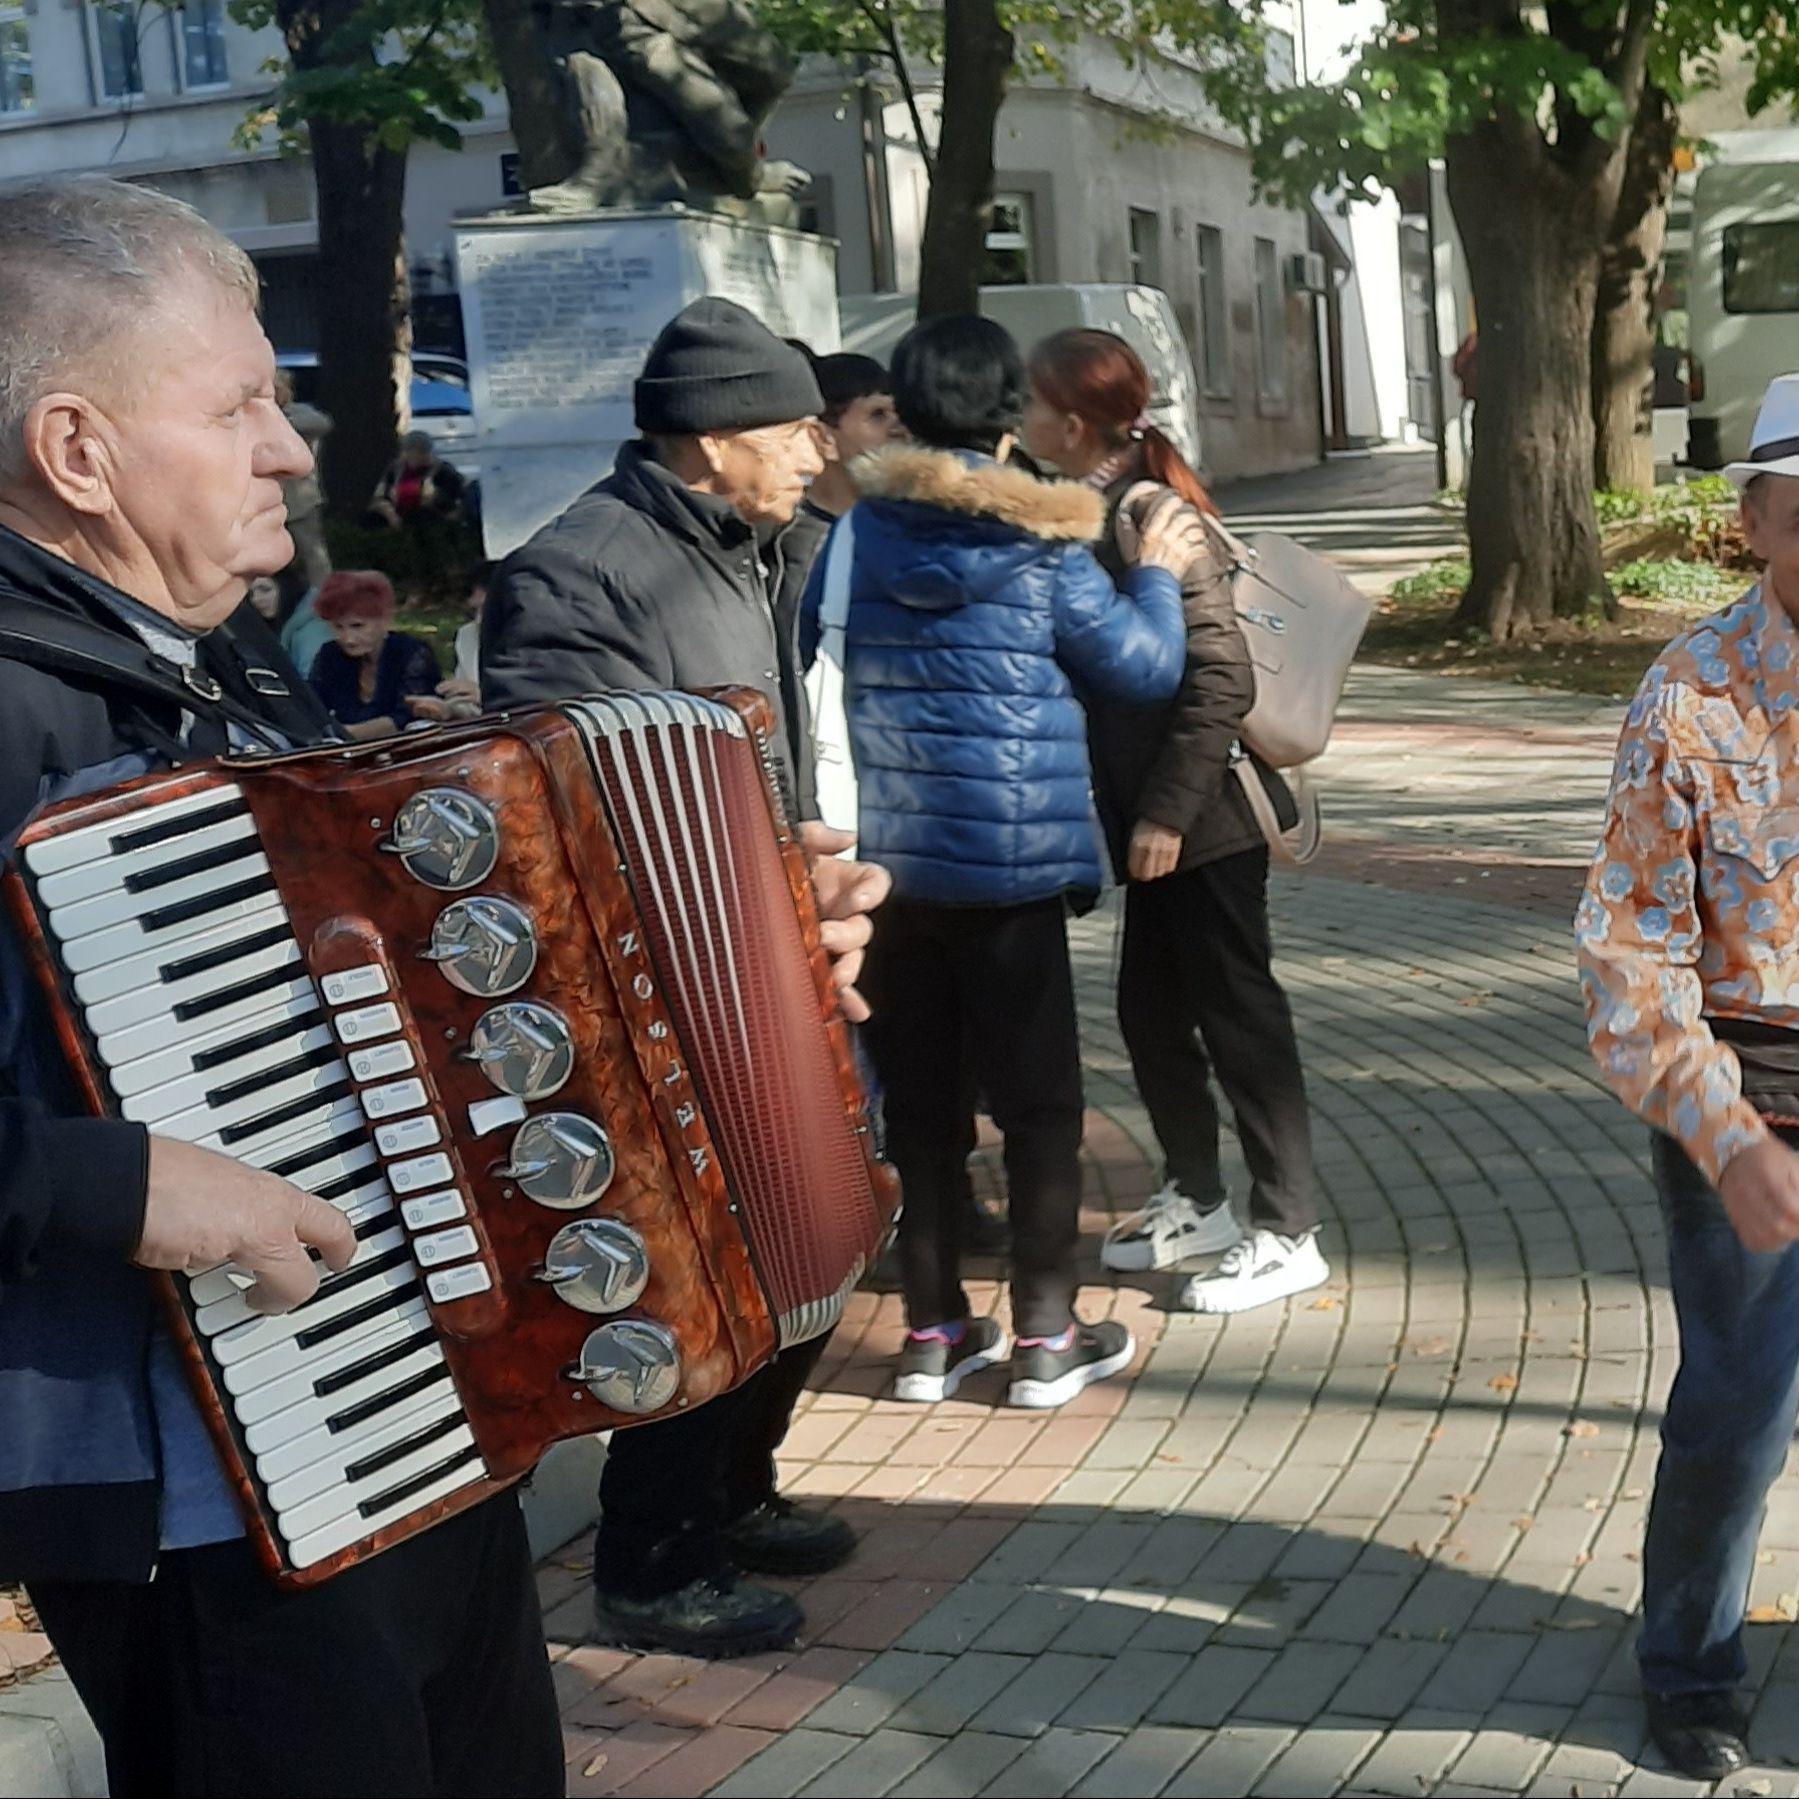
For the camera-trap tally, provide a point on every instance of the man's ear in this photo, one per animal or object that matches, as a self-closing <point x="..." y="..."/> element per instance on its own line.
<point x="711" y="452"/>
<point x="67" y="444"/>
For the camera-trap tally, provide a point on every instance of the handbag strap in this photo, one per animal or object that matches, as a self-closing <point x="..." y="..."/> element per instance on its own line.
<point x="1295" y="847"/>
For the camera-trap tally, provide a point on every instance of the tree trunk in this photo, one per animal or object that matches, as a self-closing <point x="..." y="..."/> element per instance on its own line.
<point x="365" y="330"/>
<point x="1531" y="230"/>
<point x="1624" y="319"/>
<point x="546" y="123"/>
<point x="977" y="58"/>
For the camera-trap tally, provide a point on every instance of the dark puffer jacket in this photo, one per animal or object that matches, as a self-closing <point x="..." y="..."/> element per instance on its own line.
<point x="973" y="601"/>
<point x="1171" y="764"/>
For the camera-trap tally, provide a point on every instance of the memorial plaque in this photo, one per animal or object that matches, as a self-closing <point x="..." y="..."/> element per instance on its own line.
<point x="559" y="313"/>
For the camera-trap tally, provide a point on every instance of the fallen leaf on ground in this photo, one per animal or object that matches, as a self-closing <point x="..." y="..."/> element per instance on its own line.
<point x="1504" y="1383"/>
<point x="594" y="1766"/>
<point x="1325" y="1302"/>
<point x="1582" y="1427"/>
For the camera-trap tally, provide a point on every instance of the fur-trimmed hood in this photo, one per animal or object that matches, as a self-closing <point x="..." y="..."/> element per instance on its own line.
<point x="1056" y="511"/>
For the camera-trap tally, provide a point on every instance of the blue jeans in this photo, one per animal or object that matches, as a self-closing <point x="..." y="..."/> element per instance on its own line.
<point x="1725" y="1435"/>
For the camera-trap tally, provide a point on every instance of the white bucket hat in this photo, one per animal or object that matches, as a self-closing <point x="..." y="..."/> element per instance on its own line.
<point x="1774" y="444"/>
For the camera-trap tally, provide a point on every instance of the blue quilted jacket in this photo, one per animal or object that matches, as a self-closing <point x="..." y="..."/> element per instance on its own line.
<point x="975" y="606"/>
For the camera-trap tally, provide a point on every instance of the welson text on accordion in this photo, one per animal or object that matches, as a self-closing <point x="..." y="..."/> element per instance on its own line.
<point x="539" y="1003"/>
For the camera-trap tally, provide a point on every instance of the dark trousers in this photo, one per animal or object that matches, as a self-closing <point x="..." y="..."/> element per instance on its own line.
<point x="669" y="1488"/>
<point x="421" y="1671"/>
<point x="1197" y="999"/>
<point x="1725" y="1434"/>
<point x="987" y="990"/>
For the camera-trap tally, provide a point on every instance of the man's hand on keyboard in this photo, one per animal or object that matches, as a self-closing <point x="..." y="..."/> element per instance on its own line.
<point x="205" y="1209"/>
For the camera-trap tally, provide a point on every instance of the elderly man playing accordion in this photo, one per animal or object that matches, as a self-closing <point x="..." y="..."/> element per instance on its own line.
<point x="142" y="456"/>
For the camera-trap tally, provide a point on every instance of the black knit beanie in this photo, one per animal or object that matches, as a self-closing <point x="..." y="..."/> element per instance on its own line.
<point x="715" y="367"/>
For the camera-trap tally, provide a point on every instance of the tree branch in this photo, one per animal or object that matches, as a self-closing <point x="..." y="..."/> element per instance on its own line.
<point x="882" y="20"/>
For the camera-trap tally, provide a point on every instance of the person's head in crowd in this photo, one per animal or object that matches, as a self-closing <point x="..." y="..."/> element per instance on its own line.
<point x="1769" y="483"/>
<point x="418" y="450"/>
<point x="1088" y="412"/>
<point x="729" y="409"/>
<point x="265" y="598"/>
<point x="139" y="434"/>
<point x="358" y="605"/>
<point x="284" y="388"/>
<point x="859" y="418"/>
<point x="958" y="384"/>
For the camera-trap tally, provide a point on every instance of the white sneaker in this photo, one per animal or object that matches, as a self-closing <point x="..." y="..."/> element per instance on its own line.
<point x="1263" y="1267"/>
<point x="1168" y="1230"/>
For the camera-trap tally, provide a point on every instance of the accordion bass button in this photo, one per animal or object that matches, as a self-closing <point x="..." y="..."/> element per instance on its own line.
<point x="484" y="945"/>
<point x="597" y="1265"/>
<point x="446" y="838"/>
<point x="561" y="1159"/>
<point x="630" y="1365"/>
<point x="523" y="1048"/>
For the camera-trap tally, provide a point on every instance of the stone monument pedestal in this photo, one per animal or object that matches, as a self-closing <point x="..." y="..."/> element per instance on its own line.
<point x="559" y="311"/>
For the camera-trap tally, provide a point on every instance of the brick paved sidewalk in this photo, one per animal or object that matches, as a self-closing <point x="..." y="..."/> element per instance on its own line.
<point x="1382" y="1539"/>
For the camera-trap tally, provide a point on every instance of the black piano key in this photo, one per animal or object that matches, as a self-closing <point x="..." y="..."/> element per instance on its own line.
<point x="360" y="1413"/>
<point x="354" y="1138"/>
<point x="209" y="959"/>
<point x="226" y="996"/>
<point x="178" y="868"/>
<point x="370" y="1508"/>
<point x="298" y="1108"/>
<point x="185" y="910"/>
<point x="398" y="1452"/>
<point x="238" y="1047"/>
<point x="242" y="1088"/>
<point x="390" y="1301"/>
<point x="164" y="830"/>
<point x="339" y="1378"/>
<point x="361" y="1271"/>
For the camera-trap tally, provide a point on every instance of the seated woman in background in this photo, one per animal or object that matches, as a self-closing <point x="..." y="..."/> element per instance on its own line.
<point x="368" y="670"/>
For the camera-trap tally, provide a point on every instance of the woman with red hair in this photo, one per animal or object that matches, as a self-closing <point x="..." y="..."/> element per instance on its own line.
<point x="368" y="669"/>
<point x="1197" y="996"/>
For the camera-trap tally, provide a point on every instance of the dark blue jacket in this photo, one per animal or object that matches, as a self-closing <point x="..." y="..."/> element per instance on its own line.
<point x="974" y="606"/>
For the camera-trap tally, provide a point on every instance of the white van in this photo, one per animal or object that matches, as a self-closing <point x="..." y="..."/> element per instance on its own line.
<point x="1142" y="316"/>
<point x="1743" y="289"/>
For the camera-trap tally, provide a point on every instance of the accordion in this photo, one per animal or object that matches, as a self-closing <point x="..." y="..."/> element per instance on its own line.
<point x="539" y="1003"/>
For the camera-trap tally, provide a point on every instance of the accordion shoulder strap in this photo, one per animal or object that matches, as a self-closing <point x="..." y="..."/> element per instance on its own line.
<point x="44" y="637"/>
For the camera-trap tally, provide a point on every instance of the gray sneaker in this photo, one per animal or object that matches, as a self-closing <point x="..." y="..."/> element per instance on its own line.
<point x="715" y="1618"/>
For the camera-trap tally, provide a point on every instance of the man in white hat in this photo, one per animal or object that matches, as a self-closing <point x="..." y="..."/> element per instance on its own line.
<point x="1689" y="952"/>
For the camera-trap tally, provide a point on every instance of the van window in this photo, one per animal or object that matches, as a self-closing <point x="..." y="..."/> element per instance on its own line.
<point x="1761" y="267"/>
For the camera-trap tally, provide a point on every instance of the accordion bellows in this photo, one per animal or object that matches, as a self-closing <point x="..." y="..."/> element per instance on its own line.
<point x="540" y="1003"/>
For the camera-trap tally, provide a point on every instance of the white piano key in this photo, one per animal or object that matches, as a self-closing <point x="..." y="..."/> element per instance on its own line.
<point x="107" y="911"/>
<point x="80" y="954"/>
<point x="222" y="1282"/>
<point x="164" y="1049"/>
<point x="307" y="1465"/>
<point x="313" y="1411"/>
<point x="94" y="842"/>
<point x="431" y="1209"/>
<point x="340" y="1501"/>
<point x="257" y="1393"/>
<point x="132" y="989"/>
<point x="232" y="1310"/>
<point x="449" y="1284"/>
<point x="204" y="1120"/>
<point x="422" y="1171"/>
<point x="366" y="1022"/>
<point x="107" y="873"/>
<point x="261" y="1334"/>
<point x="392" y="1097"/>
<point x="319" y="1545"/>
<point x="190" y="1086"/>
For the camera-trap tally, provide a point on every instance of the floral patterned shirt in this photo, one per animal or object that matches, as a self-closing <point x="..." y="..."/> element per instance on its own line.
<point x="1691" y="910"/>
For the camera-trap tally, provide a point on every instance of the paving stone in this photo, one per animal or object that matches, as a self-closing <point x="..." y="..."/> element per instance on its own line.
<point x="877" y="1764"/>
<point x="1045" y="1688"/>
<point x="964" y="1765"/>
<point x="1411" y="1759"/>
<point x="1319" y="1760"/>
<point x="1480" y="1666"/>
<point x="1231" y="1762"/>
<point x="873" y="1695"/>
<point x="1130" y="1685"/>
<point x="1143" y="1762"/>
<point x="1052" y="1765"/>
<point x="1387" y="1679"/>
<point x="1300" y="1682"/>
<point x="957" y="1692"/>
<point x="1212" y="1688"/>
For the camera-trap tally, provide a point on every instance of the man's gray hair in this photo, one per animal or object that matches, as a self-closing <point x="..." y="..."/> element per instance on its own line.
<point x="81" y="260"/>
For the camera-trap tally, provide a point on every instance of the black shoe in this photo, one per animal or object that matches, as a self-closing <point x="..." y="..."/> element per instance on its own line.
<point x="779" y="1537"/>
<point x="715" y="1618"/>
<point x="932" y="1368"/>
<point x="1700" y="1735"/>
<point x="1045" y="1376"/>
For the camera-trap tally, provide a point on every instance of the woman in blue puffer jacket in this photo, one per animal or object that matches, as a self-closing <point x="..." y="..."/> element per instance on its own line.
<point x="973" y="605"/>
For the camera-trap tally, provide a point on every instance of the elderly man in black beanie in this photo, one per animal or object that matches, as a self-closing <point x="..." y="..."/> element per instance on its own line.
<point x="664" y="576"/>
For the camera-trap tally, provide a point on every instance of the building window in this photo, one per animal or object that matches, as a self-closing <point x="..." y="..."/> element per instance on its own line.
<point x="1761" y="267"/>
<point x="1271" y="323"/>
<point x="202" y="27"/>
<point x="1146" y="247"/>
<point x="1214" y="344"/>
<point x="16" y="91"/>
<point x="121" y="66"/>
<point x="1011" y="243"/>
